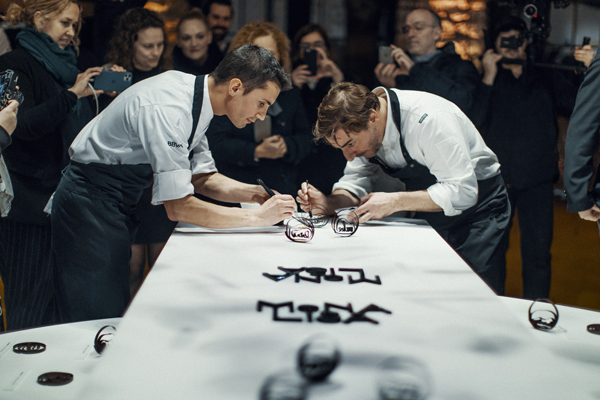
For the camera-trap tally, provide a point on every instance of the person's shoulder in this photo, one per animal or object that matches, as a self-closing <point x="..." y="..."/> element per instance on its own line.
<point x="449" y="56"/>
<point x="420" y="102"/>
<point x="18" y="56"/>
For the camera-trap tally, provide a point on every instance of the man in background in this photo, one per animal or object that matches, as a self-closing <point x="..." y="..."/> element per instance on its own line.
<point x="219" y="14"/>
<point x="517" y="110"/>
<point x="426" y="68"/>
<point x="582" y="141"/>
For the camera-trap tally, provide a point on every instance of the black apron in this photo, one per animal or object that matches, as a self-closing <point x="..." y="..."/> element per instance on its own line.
<point x="93" y="227"/>
<point x="476" y="233"/>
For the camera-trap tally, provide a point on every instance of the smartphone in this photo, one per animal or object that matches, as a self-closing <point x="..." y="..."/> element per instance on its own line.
<point x="112" y="81"/>
<point x="385" y="55"/>
<point x="9" y="89"/>
<point x="586" y="40"/>
<point x="310" y="59"/>
<point x="262" y="129"/>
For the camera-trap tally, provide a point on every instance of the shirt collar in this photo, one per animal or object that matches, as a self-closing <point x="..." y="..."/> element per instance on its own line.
<point x="426" y="57"/>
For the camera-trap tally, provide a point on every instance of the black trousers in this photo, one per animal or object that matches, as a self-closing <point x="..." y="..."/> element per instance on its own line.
<point x="535" y="208"/>
<point x="26" y="273"/>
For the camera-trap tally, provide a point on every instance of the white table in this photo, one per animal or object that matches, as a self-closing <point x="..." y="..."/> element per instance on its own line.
<point x="194" y="331"/>
<point x="69" y="348"/>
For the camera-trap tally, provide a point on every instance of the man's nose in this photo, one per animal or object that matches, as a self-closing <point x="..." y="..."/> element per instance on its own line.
<point x="349" y="154"/>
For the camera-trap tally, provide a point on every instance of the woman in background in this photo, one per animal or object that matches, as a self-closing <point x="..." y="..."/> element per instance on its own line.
<point x="193" y="38"/>
<point x="324" y="165"/>
<point x="138" y="45"/>
<point x="55" y="107"/>
<point x="270" y="149"/>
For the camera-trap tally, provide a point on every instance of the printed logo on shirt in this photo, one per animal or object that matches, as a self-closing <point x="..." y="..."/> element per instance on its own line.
<point x="173" y="144"/>
<point x="423" y="118"/>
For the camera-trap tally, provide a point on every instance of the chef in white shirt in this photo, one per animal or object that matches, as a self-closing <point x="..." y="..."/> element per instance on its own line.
<point x="452" y="178"/>
<point x="153" y="134"/>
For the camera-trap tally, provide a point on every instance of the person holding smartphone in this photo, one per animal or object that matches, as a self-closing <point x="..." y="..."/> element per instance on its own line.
<point x="425" y="67"/>
<point x="323" y="165"/>
<point x="57" y="104"/>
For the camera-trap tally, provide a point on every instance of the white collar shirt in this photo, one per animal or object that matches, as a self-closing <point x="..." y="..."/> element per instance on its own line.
<point x="150" y="123"/>
<point x="437" y="135"/>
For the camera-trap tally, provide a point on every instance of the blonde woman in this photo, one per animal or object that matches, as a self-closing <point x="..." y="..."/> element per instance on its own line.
<point x="55" y="107"/>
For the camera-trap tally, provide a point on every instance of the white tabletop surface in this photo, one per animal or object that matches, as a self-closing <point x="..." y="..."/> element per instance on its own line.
<point x="69" y="348"/>
<point x="194" y="332"/>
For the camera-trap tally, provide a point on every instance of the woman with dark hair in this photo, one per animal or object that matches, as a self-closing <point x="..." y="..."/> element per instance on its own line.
<point x="193" y="38"/>
<point x="270" y="149"/>
<point x="55" y="107"/>
<point x="324" y="165"/>
<point x="138" y="44"/>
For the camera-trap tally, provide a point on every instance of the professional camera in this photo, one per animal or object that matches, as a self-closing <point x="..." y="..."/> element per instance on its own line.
<point x="9" y="89"/>
<point x="512" y="42"/>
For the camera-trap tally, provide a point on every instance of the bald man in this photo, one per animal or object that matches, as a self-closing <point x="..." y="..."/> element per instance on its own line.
<point x="427" y="68"/>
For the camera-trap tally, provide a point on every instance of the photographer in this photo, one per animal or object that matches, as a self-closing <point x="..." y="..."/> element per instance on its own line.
<point x="517" y="115"/>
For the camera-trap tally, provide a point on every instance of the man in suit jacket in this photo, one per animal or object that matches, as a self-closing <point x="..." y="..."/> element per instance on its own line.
<point x="582" y="138"/>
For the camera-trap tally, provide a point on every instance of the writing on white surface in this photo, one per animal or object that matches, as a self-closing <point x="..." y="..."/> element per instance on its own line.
<point x="316" y="274"/>
<point x="330" y="314"/>
<point x="16" y="380"/>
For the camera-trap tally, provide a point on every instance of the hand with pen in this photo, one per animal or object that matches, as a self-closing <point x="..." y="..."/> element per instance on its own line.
<point x="312" y="199"/>
<point x="275" y="207"/>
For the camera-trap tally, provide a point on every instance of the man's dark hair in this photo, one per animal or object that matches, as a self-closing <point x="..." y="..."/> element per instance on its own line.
<point x="254" y="66"/>
<point x="509" y="23"/>
<point x="206" y="8"/>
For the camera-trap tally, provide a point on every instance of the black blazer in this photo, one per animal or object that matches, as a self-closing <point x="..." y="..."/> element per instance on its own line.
<point x="582" y="141"/>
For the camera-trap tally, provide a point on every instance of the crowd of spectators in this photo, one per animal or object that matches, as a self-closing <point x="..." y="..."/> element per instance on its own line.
<point x="514" y="105"/>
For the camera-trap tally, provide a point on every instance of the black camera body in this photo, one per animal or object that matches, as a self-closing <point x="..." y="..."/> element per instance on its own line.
<point x="9" y="89"/>
<point x="512" y="42"/>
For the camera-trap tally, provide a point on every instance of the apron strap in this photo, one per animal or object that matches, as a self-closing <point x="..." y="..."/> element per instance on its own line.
<point x="395" y="106"/>
<point x="196" y="108"/>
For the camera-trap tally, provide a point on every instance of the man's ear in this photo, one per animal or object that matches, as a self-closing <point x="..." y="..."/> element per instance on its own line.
<point x="438" y="33"/>
<point x="374" y="117"/>
<point x="236" y="87"/>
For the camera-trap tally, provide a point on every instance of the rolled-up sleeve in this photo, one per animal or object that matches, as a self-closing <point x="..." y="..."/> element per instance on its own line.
<point x="446" y="154"/>
<point x="164" y="133"/>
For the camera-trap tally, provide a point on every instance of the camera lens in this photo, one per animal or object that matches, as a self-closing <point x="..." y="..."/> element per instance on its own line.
<point x="530" y="10"/>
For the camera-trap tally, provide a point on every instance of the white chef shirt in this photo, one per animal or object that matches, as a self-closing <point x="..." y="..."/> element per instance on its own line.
<point x="150" y="123"/>
<point x="438" y="135"/>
